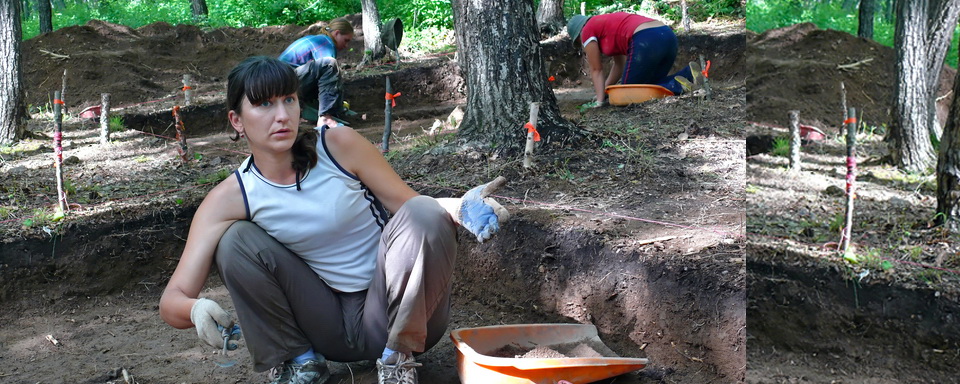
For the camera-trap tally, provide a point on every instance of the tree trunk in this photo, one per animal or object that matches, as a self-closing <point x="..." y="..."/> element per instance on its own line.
<point x="889" y="10"/>
<point x="46" y="16"/>
<point x="867" y="10"/>
<point x="948" y="168"/>
<point x="25" y="7"/>
<point x="12" y="110"/>
<point x="942" y="22"/>
<point x="372" y="43"/>
<point x="923" y="31"/>
<point x="502" y="63"/>
<point x="550" y="17"/>
<point x="199" y="8"/>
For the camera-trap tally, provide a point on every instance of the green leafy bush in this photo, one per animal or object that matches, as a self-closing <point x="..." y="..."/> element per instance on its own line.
<point x="419" y="14"/>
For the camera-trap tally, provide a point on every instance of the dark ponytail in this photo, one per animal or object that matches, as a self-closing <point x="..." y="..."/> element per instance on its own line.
<point x="305" y="150"/>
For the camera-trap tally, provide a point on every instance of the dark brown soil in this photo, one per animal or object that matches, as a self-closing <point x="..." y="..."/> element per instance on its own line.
<point x="889" y="317"/>
<point x="798" y="68"/>
<point x="637" y="229"/>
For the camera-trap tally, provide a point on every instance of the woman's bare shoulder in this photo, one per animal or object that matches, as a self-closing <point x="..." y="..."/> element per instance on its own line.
<point x="225" y="201"/>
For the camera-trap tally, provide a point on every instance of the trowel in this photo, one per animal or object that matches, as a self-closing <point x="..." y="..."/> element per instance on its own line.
<point x="224" y="360"/>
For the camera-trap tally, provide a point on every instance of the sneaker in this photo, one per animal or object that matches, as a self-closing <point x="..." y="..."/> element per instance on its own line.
<point x="696" y="80"/>
<point x="399" y="368"/>
<point x="684" y="83"/>
<point x="311" y="372"/>
<point x="697" y="73"/>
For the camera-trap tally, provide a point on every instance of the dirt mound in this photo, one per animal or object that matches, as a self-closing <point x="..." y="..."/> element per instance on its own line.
<point x="800" y="67"/>
<point x="148" y="63"/>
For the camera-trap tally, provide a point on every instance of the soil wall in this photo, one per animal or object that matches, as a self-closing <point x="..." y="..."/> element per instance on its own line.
<point x="814" y="320"/>
<point x="679" y="315"/>
<point x="685" y="319"/>
<point x="99" y="257"/>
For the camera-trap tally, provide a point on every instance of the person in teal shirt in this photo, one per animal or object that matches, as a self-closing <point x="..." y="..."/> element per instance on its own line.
<point x="314" y="58"/>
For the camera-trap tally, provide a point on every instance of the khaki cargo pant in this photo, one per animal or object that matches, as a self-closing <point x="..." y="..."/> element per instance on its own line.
<point x="284" y="308"/>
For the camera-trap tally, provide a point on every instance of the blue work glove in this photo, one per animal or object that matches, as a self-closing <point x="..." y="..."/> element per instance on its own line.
<point x="480" y="214"/>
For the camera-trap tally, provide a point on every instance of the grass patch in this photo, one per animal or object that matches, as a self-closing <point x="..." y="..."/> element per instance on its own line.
<point x="116" y="124"/>
<point x="781" y="147"/>
<point x="214" y="177"/>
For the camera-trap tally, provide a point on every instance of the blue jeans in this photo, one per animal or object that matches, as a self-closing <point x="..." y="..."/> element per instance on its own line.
<point x="652" y="53"/>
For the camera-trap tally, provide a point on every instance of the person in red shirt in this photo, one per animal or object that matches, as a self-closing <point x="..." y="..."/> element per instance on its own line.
<point x="643" y="50"/>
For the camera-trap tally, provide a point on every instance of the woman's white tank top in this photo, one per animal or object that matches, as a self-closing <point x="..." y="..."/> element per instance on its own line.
<point x="333" y="222"/>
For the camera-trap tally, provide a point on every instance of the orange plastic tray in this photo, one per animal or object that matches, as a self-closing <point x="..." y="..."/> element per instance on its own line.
<point x="476" y="365"/>
<point x="635" y="93"/>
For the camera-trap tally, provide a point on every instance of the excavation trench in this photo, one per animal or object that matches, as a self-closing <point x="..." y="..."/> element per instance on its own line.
<point x="819" y="321"/>
<point x="428" y="93"/>
<point x="95" y="282"/>
<point x="682" y="317"/>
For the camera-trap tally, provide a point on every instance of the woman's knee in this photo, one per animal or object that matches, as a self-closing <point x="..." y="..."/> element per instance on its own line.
<point x="423" y="216"/>
<point x="424" y="209"/>
<point x="239" y="243"/>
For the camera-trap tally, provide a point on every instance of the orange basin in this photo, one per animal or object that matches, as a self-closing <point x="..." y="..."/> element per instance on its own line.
<point x="635" y="93"/>
<point x="478" y="350"/>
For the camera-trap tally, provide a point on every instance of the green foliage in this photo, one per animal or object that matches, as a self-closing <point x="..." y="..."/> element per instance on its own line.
<point x="697" y="10"/>
<point x="915" y="253"/>
<point x="116" y="124"/>
<point x="763" y="15"/>
<point x="130" y="13"/>
<point x="429" y="40"/>
<point x="69" y="188"/>
<point x="41" y="217"/>
<point x="873" y="260"/>
<point x="418" y="14"/>
<point x="260" y="13"/>
<point x="214" y="178"/>
<point x="836" y="223"/>
<point x="700" y="10"/>
<point x="886" y="265"/>
<point x="232" y="13"/>
<point x="781" y="147"/>
<point x="562" y="171"/>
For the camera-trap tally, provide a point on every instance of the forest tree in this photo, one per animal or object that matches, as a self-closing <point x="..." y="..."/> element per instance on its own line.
<point x="865" y="26"/>
<point x="948" y="168"/>
<point x="550" y="19"/>
<point x="502" y="63"/>
<point x="372" y="43"/>
<point x="46" y="16"/>
<point x="922" y="36"/>
<point x="12" y="112"/>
